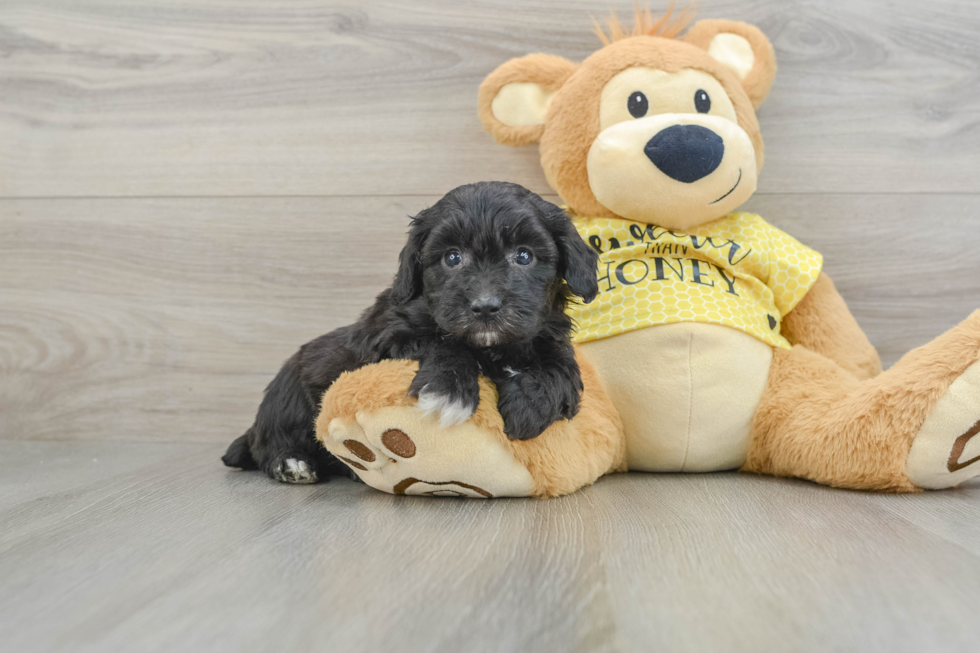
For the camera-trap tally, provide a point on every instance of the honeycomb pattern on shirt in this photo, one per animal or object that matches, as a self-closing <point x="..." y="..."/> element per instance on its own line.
<point x="738" y="271"/>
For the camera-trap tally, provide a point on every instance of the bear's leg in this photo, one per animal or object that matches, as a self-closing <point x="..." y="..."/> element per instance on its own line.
<point x="369" y="423"/>
<point x="911" y="427"/>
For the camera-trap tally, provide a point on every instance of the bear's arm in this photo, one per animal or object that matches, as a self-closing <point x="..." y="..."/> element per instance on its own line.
<point x="822" y="323"/>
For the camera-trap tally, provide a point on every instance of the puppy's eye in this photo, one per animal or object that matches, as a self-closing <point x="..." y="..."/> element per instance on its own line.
<point x="523" y="256"/>
<point x="637" y="104"/>
<point x="453" y="258"/>
<point x="701" y="101"/>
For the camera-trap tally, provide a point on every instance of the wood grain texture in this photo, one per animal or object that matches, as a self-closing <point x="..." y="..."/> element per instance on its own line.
<point x="164" y="319"/>
<point x="182" y="554"/>
<point x="189" y="189"/>
<point x="314" y="97"/>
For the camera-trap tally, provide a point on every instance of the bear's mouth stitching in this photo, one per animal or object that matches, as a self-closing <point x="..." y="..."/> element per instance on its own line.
<point x="739" y="181"/>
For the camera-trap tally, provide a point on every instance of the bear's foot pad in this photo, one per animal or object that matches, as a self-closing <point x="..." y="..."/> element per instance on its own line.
<point x="946" y="450"/>
<point x="401" y="451"/>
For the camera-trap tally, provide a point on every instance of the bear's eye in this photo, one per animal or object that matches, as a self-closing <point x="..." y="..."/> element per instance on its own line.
<point x="701" y="101"/>
<point x="453" y="258"/>
<point x="638" y="105"/>
<point x="523" y="256"/>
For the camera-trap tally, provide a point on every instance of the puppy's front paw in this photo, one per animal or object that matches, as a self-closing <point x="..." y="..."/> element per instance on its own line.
<point x="529" y="405"/>
<point x="451" y="410"/>
<point x="452" y="397"/>
<point x="447" y="383"/>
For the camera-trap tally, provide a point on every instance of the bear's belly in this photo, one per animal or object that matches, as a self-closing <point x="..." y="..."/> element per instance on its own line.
<point x="687" y="393"/>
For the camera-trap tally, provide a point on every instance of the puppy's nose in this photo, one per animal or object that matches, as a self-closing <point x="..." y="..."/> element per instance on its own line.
<point x="686" y="152"/>
<point x="485" y="307"/>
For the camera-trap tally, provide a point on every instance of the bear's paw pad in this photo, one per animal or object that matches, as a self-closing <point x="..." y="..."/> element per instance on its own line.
<point x="946" y="450"/>
<point x="400" y="451"/>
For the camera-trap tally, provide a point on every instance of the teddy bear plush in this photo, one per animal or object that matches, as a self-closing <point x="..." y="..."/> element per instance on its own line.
<point x="716" y="342"/>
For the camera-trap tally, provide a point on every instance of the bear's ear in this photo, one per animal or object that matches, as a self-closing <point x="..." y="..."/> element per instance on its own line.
<point x="514" y="98"/>
<point x="742" y="48"/>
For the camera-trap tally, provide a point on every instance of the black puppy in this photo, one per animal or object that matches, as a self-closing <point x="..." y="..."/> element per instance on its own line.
<point x="481" y="287"/>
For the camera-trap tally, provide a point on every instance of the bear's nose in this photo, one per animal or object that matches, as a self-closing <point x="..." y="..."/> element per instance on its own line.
<point x="485" y="307"/>
<point x="686" y="152"/>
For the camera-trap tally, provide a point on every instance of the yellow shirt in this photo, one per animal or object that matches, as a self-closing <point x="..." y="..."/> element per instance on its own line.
<point x="738" y="271"/>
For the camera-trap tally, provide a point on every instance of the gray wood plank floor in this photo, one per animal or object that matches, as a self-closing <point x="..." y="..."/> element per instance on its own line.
<point x="190" y="189"/>
<point x="154" y="547"/>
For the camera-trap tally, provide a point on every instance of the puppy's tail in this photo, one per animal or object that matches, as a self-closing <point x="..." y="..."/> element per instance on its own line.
<point x="238" y="454"/>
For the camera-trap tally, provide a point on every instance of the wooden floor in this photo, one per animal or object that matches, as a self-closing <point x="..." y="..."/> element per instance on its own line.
<point x="189" y="189"/>
<point x="153" y="547"/>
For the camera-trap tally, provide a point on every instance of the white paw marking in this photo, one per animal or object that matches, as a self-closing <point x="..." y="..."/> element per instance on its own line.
<point x="450" y="412"/>
<point x="297" y="471"/>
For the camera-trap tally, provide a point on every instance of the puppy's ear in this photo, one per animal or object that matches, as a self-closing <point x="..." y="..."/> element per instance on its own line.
<point x="577" y="261"/>
<point x="408" y="279"/>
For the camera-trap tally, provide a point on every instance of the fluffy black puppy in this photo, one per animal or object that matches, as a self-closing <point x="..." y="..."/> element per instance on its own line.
<point x="481" y="287"/>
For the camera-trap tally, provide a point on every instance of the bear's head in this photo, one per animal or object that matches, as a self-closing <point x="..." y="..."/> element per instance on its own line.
<point x="651" y="128"/>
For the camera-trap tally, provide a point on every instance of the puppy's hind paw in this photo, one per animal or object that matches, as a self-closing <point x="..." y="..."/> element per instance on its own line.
<point x="451" y="411"/>
<point x="293" y="469"/>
